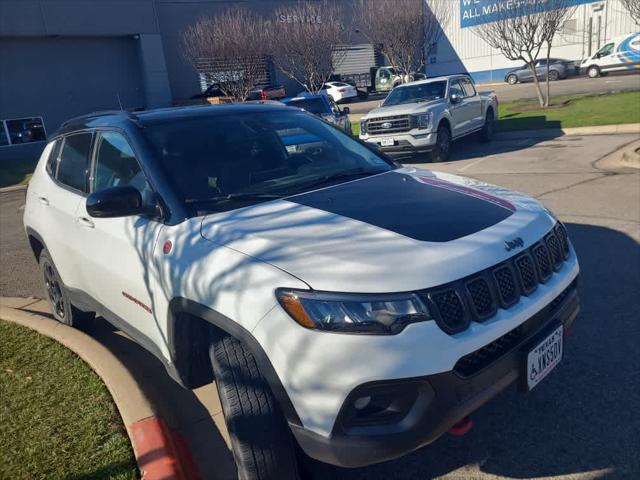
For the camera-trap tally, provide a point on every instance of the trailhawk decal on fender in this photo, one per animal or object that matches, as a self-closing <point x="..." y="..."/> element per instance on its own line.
<point x="421" y="208"/>
<point x="137" y="302"/>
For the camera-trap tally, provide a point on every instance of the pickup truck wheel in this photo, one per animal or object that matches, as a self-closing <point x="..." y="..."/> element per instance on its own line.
<point x="442" y="149"/>
<point x="512" y="79"/>
<point x="61" y="307"/>
<point x="486" y="134"/>
<point x="262" y="444"/>
<point x="593" y="71"/>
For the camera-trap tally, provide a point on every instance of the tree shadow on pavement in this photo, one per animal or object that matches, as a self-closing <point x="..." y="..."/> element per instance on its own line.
<point x="471" y="146"/>
<point x="583" y="417"/>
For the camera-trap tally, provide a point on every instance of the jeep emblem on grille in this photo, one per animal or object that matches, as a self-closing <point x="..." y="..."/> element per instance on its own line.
<point x="386" y="125"/>
<point x="512" y="244"/>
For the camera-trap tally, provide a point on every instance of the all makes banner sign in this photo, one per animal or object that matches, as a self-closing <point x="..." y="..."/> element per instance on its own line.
<point x="477" y="12"/>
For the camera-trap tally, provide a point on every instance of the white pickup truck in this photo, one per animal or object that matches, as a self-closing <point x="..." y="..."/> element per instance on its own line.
<point x="426" y="116"/>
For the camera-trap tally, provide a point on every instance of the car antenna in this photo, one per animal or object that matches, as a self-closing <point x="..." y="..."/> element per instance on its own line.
<point x="119" y="102"/>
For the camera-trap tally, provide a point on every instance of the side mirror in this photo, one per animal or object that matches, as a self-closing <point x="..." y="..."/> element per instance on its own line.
<point x="455" y="98"/>
<point x="115" y="202"/>
<point x="346" y="111"/>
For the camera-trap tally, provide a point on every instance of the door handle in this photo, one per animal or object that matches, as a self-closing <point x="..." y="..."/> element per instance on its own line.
<point x="85" y="222"/>
<point x="44" y="201"/>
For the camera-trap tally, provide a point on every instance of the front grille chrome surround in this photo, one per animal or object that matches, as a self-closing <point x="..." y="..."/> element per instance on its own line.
<point x="396" y="124"/>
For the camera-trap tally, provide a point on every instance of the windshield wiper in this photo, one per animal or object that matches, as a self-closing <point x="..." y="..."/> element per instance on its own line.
<point x="233" y="196"/>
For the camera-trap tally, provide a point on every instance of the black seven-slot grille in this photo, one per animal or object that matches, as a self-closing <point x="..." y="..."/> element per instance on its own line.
<point x="475" y="361"/>
<point x="478" y="297"/>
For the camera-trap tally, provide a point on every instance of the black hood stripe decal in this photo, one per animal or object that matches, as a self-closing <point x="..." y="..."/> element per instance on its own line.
<point x="422" y="208"/>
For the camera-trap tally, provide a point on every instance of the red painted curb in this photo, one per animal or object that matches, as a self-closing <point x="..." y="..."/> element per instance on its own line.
<point x="162" y="453"/>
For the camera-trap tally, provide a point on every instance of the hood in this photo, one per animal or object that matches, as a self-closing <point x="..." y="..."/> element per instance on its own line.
<point x="398" y="231"/>
<point x="402" y="109"/>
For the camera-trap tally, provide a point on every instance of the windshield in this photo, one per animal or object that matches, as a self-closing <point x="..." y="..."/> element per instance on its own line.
<point x="313" y="105"/>
<point x="218" y="161"/>
<point x="422" y="92"/>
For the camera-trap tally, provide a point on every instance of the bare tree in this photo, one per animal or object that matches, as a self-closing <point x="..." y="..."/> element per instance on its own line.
<point x="633" y="6"/>
<point x="304" y="42"/>
<point x="402" y="29"/>
<point x="228" y="49"/>
<point x="518" y="33"/>
<point x="552" y="20"/>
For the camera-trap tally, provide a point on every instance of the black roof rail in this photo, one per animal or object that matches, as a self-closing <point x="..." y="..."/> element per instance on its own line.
<point x="99" y="113"/>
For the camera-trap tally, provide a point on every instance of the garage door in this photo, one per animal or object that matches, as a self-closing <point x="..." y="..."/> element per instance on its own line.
<point x="357" y="59"/>
<point x="58" y="78"/>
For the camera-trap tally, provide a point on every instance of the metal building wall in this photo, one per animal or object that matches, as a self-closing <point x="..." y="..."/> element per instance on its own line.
<point x="460" y="50"/>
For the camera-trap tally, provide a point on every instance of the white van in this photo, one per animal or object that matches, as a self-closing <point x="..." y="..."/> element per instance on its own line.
<point x="621" y="53"/>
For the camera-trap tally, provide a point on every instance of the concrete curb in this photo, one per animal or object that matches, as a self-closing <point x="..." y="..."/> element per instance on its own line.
<point x="625" y="128"/>
<point x="628" y="157"/>
<point x="160" y="451"/>
<point x="491" y="84"/>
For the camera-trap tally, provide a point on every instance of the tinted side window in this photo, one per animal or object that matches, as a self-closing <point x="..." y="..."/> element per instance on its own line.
<point x="52" y="161"/>
<point x="467" y="86"/>
<point x="606" y="50"/>
<point x="116" y="165"/>
<point x="73" y="161"/>
<point x="455" y="87"/>
<point x="4" y="137"/>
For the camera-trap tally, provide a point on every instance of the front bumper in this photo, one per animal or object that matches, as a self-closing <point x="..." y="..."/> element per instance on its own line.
<point x="405" y="144"/>
<point x="439" y="400"/>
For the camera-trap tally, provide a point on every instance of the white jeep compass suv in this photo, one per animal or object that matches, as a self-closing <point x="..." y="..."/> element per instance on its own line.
<point x="341" y="304"/>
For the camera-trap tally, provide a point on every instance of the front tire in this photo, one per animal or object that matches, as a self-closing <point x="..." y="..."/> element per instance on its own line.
<point x="262" y="444"/>
<point x="512" y="79"/>
<point x="553" y="75"/>
<point x="55" y="292"/>
<point x="443" y="145"/>
<point x="593" y="71"/>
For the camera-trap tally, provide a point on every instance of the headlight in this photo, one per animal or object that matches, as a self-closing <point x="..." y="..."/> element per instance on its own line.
<point x="384" y="314"/>
<point x="329" y="117"/>
<point x="363" y="126"/>
<point x="424" y="121"/>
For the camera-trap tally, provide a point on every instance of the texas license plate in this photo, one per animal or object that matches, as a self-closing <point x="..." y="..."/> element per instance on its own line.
<point x="544" y="357"/>
<point x="387" y="142"/>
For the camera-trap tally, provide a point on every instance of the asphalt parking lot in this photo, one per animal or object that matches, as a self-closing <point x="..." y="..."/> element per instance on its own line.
<point x="582" y="422"/>
<point x="523" y="91"/>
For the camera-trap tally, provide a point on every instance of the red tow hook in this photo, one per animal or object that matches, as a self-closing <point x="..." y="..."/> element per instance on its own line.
<point x="462" y="427"/>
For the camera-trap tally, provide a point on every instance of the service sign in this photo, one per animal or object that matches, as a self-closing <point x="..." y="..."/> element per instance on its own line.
<point x="477" y="12"/>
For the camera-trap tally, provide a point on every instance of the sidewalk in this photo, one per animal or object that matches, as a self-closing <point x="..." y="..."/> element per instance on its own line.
<point x="176" y="433"/>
